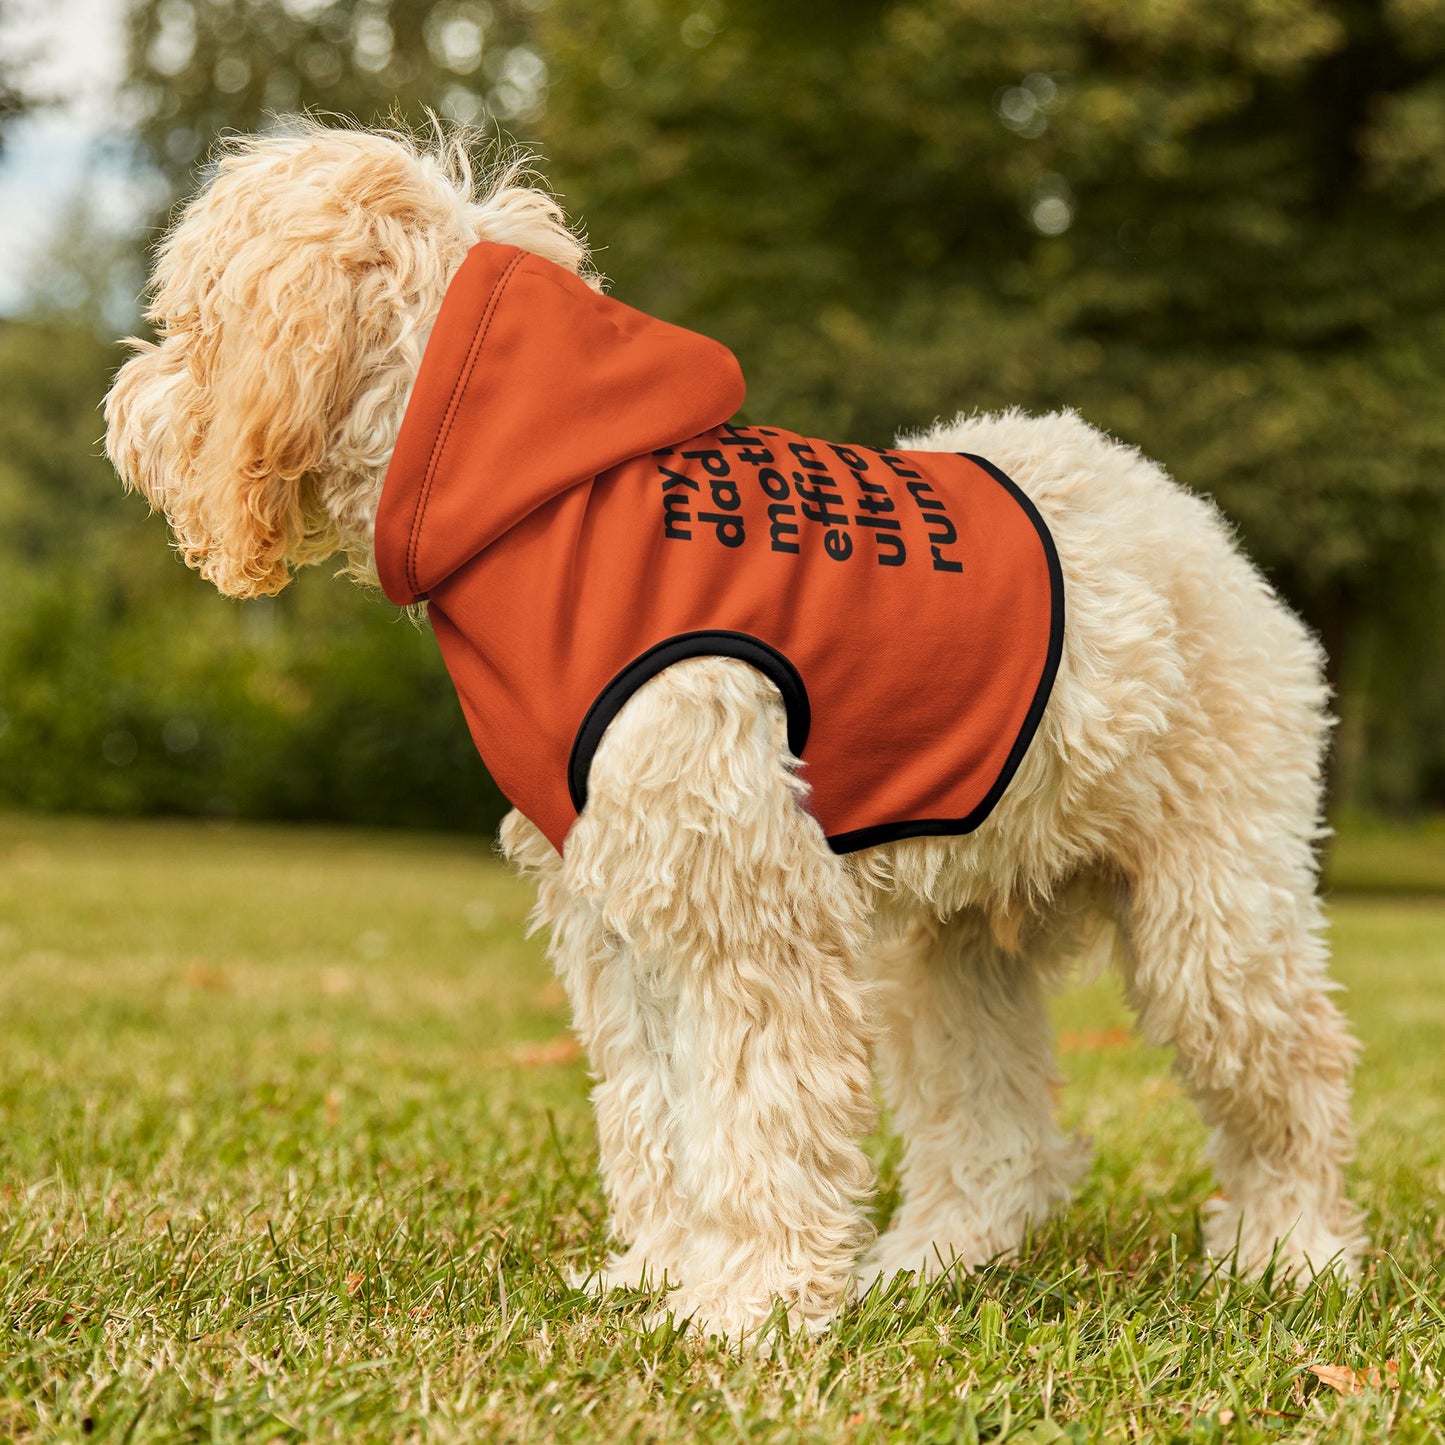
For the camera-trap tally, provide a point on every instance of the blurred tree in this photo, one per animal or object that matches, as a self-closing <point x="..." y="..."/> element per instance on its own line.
<point x="1216" y="227"/>
<point x="202" y="67"/>
<point x="127" y="685"/>
<point x="15" y="97"/>
<point x="58" y="495"/>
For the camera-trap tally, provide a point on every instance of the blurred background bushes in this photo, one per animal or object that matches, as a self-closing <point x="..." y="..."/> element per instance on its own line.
<point x="1214" y="227"/>
<point x="126" y="687"/>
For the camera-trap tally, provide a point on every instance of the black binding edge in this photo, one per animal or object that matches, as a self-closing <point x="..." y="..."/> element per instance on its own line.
<point x="778" y="669"/>
<point x="741" y="645"/>
<point x="942" y="827"/>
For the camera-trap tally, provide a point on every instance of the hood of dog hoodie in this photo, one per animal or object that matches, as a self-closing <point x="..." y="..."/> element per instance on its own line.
<point x="569" y="496"/>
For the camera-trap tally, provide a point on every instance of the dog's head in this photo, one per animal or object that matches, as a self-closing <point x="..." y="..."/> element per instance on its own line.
<point x="291" y="301"/>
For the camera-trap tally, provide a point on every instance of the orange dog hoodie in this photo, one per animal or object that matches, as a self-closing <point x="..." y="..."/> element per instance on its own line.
<point x="569" y="496"/>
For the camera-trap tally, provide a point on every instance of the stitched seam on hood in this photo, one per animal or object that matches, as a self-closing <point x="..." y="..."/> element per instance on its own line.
<point x="484" y="324"/>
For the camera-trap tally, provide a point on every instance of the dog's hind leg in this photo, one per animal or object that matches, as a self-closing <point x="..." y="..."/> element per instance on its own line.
<point x="1224" y="949"/>
<point x="745" y="928"/>
<point x="1225" y="961"/>
<point x="966" y="1060"/>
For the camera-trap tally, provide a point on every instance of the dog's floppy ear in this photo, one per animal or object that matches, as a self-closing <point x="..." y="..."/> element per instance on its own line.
<point x="287" y="283"/>
<point x="275" y="346"/>
<point x="222" y="422"/>
<point x="292" y="301"/>
<point x="277" y="351"/>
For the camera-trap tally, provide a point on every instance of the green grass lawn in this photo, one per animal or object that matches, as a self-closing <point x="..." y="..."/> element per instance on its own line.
<point x="292" y="1147"/>
<point x="1374" y="856"/>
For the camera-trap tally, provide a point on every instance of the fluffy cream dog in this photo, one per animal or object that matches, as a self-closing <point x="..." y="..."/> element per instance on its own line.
<point x="730" y="976"/>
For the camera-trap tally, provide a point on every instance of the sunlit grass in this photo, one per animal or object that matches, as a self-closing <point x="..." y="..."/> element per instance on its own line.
<point x="1375" y="856"/>
<point x="285" y="1153"/>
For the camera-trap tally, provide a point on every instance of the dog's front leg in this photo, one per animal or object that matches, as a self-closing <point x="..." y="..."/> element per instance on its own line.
<point x="624" y="1023"/>
<point x="741" y="929"/>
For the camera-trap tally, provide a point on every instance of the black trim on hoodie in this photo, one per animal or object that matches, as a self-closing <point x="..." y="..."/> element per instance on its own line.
<point x="741" y="645"/>
<point x="949" y="827"/>
<point x="789" y="682"/>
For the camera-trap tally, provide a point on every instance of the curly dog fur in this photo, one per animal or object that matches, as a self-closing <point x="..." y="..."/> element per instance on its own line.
<point x="731" y="978"/>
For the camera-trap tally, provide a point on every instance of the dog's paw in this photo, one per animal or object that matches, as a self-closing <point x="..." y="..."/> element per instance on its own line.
<point x="966" y="1228"/>
<point x="897" y="1254"/>
<point x="632" y="1270"/>
<point x="753" y="1324"/>
<point x="1298" y="1248"/>
<point x="959" y="1242"/>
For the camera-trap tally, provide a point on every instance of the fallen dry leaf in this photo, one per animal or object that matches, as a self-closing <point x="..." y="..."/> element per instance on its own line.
<point x="1096" y="1041"/>
<point x="1347" y="1381"/>
<point x="551" y="995"/>
<point x="354" y="1283"/>
<point x="335" y="982"/>
<point x="554" y="1051"/>
<point x="203" y="975"/>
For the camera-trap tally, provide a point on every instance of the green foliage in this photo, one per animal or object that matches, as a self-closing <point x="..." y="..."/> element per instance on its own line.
<point x="284" y="710"/>
<point x="1373" y="856"/>
<point x="281" y="1157"/>
<point x="15" y="98"/>
<point x="1216" y="229"/>
<point x="1213" y="229"/>
<point x="127" y="686"/>
<point x="203" y="67"/>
